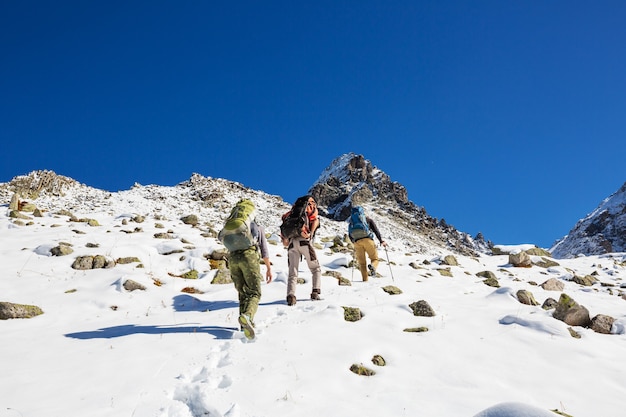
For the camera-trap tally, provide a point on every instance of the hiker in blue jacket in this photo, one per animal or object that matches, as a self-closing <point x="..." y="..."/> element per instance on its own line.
<point x="361" y="230"/>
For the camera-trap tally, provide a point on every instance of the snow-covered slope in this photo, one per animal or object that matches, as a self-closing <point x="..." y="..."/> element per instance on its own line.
<point x="601" y="231"/>
<point x="174" y="349"/>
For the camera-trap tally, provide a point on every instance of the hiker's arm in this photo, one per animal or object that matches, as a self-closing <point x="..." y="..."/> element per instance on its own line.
<point x="263" y="248"/>
<point x="372" y="225"/>
<point x="268" y="271"/>
<point x="314" y="225"/>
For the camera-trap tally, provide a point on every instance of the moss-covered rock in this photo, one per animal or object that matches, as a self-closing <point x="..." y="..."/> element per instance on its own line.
<point x="190" y="219"/>
<point x="392" y="290"/>
<point x="18" y="311"/>
<point x="421" y="329"/>
<point x="352" y="314"/>
<point x="128" y="260"/>
<point x="421" y="308"/>
<point x="359" y="369"/>
<point x="222" y="277"/>
<point x="526" y="297"/>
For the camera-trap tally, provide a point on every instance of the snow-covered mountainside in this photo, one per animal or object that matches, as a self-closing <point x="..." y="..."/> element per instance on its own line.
<point x="602" y="231"/>
<point x="349" y="179"/>
<point x="130" y="316"/>
<point x="352" y="180"/>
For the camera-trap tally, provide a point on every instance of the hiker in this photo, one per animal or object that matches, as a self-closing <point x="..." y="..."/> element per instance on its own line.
<point x="361" y="231"/>
<point x="297" y="231"/>
<point x="245" y="241"/>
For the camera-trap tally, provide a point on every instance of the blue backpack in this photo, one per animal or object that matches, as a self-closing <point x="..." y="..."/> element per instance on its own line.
<point x="358" y="228"/>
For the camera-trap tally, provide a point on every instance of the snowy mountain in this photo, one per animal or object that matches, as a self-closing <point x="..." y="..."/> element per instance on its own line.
<point x="352" y="180"/>
<point x="141" y="336"/>
<point x="601" y="231"/>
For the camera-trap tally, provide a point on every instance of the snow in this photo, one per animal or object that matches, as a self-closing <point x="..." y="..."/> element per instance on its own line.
<point x="100" y="350"/>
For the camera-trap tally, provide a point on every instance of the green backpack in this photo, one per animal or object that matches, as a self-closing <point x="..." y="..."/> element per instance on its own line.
<point x="236" y="234"/>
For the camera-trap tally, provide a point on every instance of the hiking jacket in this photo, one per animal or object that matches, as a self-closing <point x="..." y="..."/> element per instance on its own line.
<point x="259" y="234"/>
<point x="372" y="226"/>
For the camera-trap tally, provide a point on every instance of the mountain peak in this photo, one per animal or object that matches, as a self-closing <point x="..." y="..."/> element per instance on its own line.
<point x="601" y="231"/>
<point x="353" y="180"/>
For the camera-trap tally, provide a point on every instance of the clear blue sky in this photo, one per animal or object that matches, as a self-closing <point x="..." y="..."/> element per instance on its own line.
<point x="505" y="117"/>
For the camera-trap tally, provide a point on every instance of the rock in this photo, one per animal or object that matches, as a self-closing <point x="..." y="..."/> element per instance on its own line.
<point x="572" y="313"/>
<point x="61" y="250"/>
<point x="486" y="274"/>
<point x="586" y="281"/>
<point x="130" y="285"/>
<point x="549" y="304"/>
<point x="18" y="311"/>
<point x="222" y="277"/>
<point x="526" y="297"/>
<point x="361" y="370"/>
<point x="553" y="284"/>
<point x="602" y="324"/>
<point x="191" y="219"/>
<point x="422" y="308"/>
<point x="450" y="260"/>
<point x="392" y="290"/>
<point x="520" y="259"/>
<point x="352" y="314"/>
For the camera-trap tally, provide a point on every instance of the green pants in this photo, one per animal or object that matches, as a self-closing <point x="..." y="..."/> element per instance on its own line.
<point x="245" y="271"/>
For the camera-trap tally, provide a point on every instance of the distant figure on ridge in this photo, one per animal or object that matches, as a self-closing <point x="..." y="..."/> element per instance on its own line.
<point x="297" y="231"/>
<point x="244" y="239"/>
<point x="361" y="231"/>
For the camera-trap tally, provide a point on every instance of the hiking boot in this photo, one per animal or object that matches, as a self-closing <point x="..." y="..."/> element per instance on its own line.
<point x="291" y="300"/>
<point x="372" y="270"/>
<point x="247" y="326"/>
<point x="315" y="295"/>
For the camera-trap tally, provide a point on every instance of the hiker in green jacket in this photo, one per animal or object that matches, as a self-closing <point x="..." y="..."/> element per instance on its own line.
<point x="245" y="271"/>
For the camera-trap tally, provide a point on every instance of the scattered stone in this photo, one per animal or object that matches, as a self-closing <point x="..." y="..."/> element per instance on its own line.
<point x="191" y="290"/>
<point x="570" y="312"/>
<point x="130" y="285"/>
<point x="586" y="281"/>
<point x="526" y="297"/>
<point x="222" y="277"/>
<point x="92" y="262"/>
<point x="492" y="282"/>
<point x="191" y="219"/>
<point x="445" y="272"/>
<point x="18" y="311"/>
<point x="192" y="274"/>
<point x="549" y="304"/>
<point x="574" y="333"/>
<point x="422" y="309"/>
<point x="378" y="360"/>
<point x="520" y="260"/>
<point x="450" y="260"/>
<point x="538" y="252"/>
<point x="421" y="329"/>
<point x="361" y="370"/>
<point x="352" y="314"/>
<point x="546" y="263"/>
<point x="602" y="324"/>
<point x="127" y="260"/>
<point x="61" y="250"/>
<point x="166" y="235"/>
<point x="392" y="290"/>
<point x="553" y="284"/>
<point x="487" y="274"/>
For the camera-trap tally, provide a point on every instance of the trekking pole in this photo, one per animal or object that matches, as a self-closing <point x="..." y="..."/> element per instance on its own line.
<point x="389" y="263"/>
<point x="352" y="277"/>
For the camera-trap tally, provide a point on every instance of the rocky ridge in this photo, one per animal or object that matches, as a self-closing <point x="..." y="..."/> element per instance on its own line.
<point x="600" y="232"/>
<point x="348" y="179"/>
<point x="352" y="180"/>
